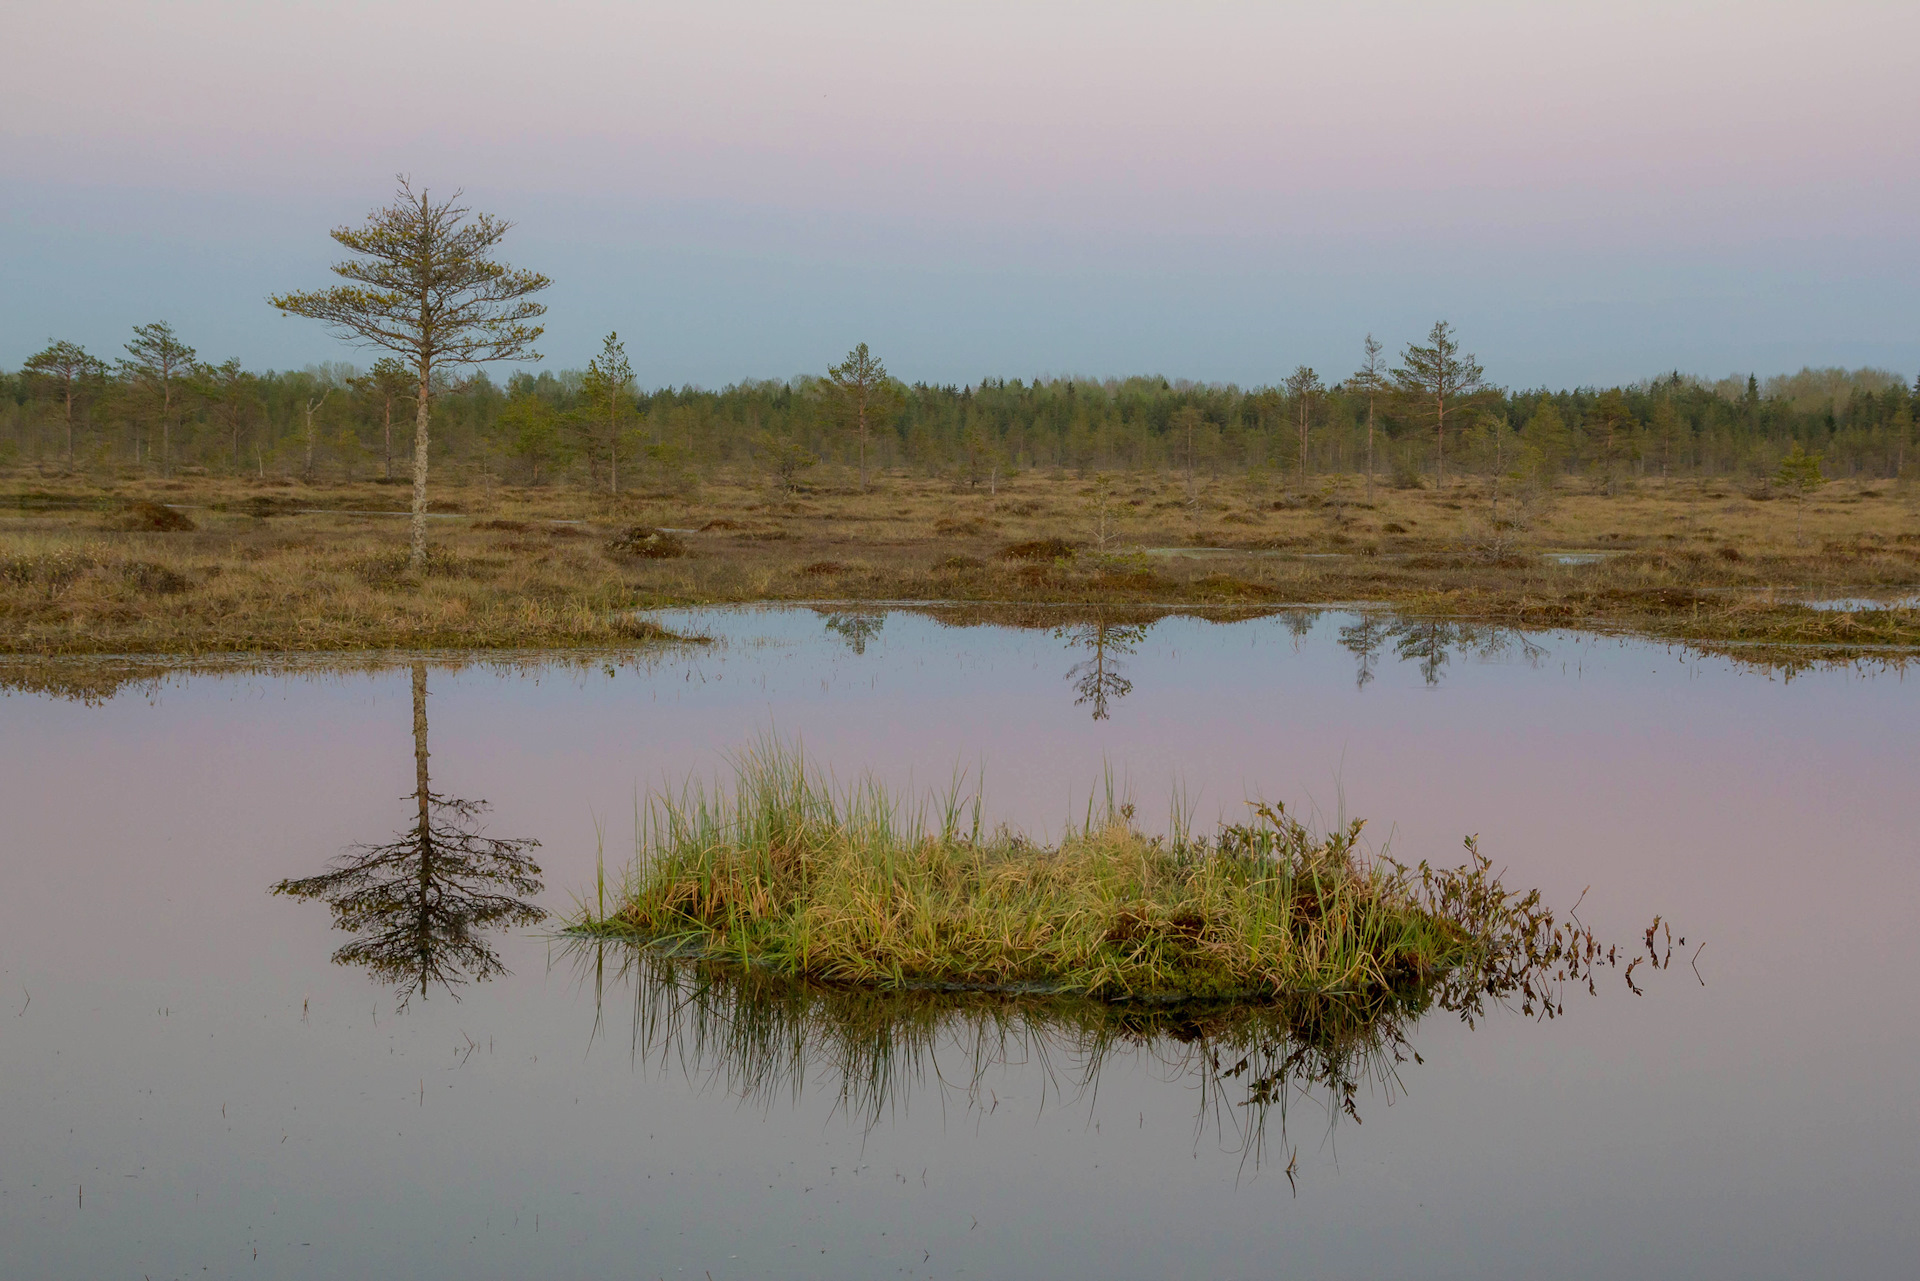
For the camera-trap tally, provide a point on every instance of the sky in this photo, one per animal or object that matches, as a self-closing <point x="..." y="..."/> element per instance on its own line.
<point x="1591" y="193"/>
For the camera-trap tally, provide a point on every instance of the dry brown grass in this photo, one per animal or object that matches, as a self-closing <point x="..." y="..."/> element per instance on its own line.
<point x="299" y="568"/>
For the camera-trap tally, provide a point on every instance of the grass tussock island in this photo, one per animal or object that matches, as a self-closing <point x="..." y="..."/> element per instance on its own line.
<point x="849" y="887"/>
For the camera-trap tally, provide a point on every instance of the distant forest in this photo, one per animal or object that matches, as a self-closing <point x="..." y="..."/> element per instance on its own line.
<point x="158" y="410"/>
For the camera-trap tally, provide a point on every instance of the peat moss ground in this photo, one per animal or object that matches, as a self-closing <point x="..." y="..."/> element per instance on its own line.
<point x="850" y="888"/>
<point x="94" y="566"/>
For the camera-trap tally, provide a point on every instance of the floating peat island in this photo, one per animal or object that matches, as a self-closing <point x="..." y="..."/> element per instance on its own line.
<point x="851" y="887"/>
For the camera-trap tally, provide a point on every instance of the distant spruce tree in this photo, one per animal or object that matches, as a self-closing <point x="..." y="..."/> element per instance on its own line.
<point x="1609" y="430"/>
<point x="608" y="391"/>
<point x="234" y="395"/>
<point x="1369" y="380"/>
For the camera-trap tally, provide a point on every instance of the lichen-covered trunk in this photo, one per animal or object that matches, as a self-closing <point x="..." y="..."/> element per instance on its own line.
<point x="417" y="551"/>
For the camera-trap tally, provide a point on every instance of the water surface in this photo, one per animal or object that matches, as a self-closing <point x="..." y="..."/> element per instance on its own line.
<point x="189" y="1086"/>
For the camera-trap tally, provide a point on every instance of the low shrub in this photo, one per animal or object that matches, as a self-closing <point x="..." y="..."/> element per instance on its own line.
<point x="155" y="580"/>
<point x="1039" y="549"/>
<point x="151" y="517"/>
<point x="647" y="543"/>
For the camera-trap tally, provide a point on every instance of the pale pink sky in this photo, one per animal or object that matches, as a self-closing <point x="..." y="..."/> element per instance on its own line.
<point x="1592" y="191"/>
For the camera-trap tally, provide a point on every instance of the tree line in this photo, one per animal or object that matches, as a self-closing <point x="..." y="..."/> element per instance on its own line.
<point x="425" y="291"/>
<point x="158" y="409"/>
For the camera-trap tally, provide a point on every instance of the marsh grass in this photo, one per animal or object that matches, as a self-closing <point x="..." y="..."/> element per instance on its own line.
<point x="848" y="886"/>
<point x="309" y="567"/>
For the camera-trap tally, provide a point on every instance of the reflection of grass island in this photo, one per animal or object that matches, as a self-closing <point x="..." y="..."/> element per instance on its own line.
<point x="849" y="888"/>
<point x="768" y="1037"/>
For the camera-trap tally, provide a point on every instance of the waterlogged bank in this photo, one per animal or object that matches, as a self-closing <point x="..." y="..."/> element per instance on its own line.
<point x="230" y="566"/>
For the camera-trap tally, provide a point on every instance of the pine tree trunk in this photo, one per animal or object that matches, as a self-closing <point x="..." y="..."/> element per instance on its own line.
<point x="1303" y="442"/>
<point x="417" y="550"/>
<point x="1369" y="448"/>
<point x="863" y="448"/>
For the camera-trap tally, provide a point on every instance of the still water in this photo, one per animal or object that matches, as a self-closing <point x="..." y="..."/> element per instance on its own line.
<point x="189" y="1086"/>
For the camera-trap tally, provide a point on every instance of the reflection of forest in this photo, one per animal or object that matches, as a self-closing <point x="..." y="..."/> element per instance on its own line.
<point x="767" y="1038"/>
<point x="1429" y="643"/>
<point x="420" y="905"/>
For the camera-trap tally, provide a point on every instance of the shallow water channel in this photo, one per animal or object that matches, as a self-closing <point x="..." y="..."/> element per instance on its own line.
<point x="190" y="1087"/>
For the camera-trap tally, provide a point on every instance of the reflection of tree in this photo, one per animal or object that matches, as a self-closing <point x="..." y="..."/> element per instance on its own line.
<point x="421" y="903"/>
<point x="1430" y="643"/>
<point x="1424" y="641"/>
<point x="761" y="1037"/>
<point x="1098" y="677"/>
<point x="856" y="629"/>
<point x="1363" y="640"/>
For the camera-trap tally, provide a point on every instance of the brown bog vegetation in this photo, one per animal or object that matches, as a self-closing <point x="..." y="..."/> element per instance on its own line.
<point x="206" y="564"/>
